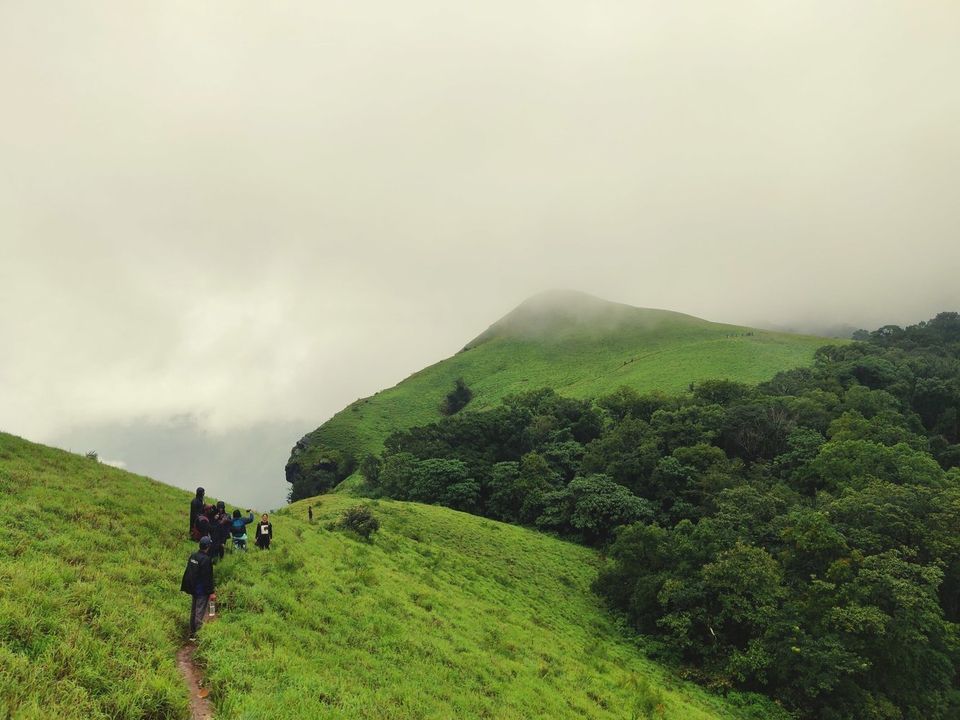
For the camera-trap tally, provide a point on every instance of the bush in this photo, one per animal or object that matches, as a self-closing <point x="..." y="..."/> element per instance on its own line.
<point x="457" y="398"/>
<point x="361" y="520"/>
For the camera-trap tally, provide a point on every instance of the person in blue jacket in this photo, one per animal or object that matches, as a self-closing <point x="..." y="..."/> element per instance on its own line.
<point x="238" y="529"/>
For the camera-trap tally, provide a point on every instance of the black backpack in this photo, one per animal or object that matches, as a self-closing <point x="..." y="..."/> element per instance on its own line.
<point x="190" y="574"/>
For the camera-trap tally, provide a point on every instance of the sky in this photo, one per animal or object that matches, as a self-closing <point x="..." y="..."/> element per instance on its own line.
<point x="221" y="222"/>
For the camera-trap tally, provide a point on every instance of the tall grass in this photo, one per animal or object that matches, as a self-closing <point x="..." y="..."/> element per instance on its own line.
<point x="440" y="615"/>
<point x="90" y="613"/>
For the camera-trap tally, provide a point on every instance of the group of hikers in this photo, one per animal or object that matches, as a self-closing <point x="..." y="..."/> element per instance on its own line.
<point x="212" y="526"/>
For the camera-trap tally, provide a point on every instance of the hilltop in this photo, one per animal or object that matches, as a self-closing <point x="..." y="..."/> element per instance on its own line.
<point x="441" y="615"/>
<point x="577" y="344"/>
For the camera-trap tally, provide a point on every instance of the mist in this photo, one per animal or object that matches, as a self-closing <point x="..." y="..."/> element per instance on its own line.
<point x="242" y="466"/>
<point x="251" y="214"/>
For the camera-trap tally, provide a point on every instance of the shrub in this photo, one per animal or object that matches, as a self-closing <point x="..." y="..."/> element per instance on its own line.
<point x="361" y="520"/>
<point x="457" y="398"/>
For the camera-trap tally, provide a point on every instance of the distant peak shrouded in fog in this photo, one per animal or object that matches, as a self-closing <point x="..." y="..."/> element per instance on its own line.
<point x="555" y="314"/>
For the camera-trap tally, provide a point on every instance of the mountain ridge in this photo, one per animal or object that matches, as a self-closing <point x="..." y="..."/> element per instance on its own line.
<point x="559" y="310"/>
<point x="579" y="345"/>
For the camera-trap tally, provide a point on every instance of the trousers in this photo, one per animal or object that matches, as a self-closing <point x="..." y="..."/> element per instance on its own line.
<point x="198" y="611"/>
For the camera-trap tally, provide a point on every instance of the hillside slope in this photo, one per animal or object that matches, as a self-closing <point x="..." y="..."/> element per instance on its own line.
<point x="441" y="615"/>
<point x="575" y="343"/>
<point x="90" y="613"/>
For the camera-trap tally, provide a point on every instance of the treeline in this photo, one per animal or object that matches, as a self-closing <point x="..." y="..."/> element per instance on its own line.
<point x="799" y="538"/>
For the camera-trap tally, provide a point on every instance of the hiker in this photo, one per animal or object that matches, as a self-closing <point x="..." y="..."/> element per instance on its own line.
<point x="310" y="513"/>
<point x="202" y="527"/>
<point x="198" y="583"/>
<point x="196" y="507"/>
<point x="219" y="531"/>
<point x="209" y="512"/>
<point x="264" y="532"/>
<point x="238" y="529"/>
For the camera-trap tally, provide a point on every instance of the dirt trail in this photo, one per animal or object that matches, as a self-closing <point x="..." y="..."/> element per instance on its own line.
<point x="200" y="707"/>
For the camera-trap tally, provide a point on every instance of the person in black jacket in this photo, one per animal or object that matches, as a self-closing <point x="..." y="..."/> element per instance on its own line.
<point x="220" y="530"/>
<point x="198" y="583"/>
<point x="264" y="532"/>
<point x="196" y="507"/>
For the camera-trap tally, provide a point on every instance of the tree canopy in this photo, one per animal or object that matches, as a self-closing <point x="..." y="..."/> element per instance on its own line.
<point x="798" y="538"/>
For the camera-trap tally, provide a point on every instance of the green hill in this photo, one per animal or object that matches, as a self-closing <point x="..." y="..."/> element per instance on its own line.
<point x="90" y="561"/>
<point x="442" y="615"/>
<point x="577" y="344"/>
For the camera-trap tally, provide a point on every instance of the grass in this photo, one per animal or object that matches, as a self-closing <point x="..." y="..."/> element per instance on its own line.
<point x="440" y="615"/>
<point x="580" y="346"/>
<point x="90" y="613"/>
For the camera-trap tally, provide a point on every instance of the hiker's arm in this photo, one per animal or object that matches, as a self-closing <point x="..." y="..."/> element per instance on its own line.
<point x="208" y="580"/>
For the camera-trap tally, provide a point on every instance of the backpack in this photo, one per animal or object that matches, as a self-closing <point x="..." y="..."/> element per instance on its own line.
<point x="239" y="527"/>
<point x="190" y="574"/>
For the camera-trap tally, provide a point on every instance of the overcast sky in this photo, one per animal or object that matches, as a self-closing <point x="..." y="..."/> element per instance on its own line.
<point x="221" y="216"/>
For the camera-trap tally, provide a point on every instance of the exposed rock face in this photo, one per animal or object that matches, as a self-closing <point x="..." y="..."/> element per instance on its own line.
<point x="313" y="469"/>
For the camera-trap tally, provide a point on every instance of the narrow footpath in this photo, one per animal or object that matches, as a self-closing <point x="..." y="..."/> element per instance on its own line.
<point x="200" y="707"/>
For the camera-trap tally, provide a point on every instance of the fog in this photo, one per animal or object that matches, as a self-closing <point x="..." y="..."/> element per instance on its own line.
<point x="249" y="214"/>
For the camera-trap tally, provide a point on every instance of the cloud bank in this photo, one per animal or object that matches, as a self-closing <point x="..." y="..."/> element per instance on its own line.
<point x="256" y="212"/>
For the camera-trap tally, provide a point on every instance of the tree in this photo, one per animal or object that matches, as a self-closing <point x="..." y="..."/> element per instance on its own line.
<point x="758" y="430"/>
<point x="721" y="392"/>
<point x="626" y="402"/>
<point x="593" y="507"/>
<point x="628" y="453"/>
<point x="456" y="399"/>
<point x="908" y="644"/>
<point x="850" y="463"/>
<point x="370" y="469"/>
<point x="505" y="494"/>
<point x="432" y="478"/>
<point x="688" y="425"/>
<point x="396" y="475"/>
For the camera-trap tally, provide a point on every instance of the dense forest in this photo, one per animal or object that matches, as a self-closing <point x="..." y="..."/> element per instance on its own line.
<point x="797" y="538"/>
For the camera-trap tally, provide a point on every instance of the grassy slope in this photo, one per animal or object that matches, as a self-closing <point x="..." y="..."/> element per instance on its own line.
<point x="90" y="609"/>
<point x="442" y="615"/>
<point x="582" y="347"/>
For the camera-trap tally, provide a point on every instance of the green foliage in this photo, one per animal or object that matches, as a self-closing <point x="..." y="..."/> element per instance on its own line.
<point x="370" y="469"/>
<point x="797" y="538"/>
<point x="359" y="519"/>
<point x="587" y="350"/>
<point x="457" y="399"/>
<point x="314" y="469"/>
<point x="592" y="507"/>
